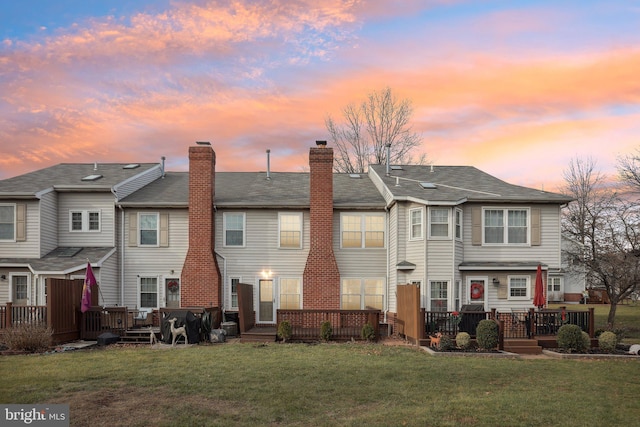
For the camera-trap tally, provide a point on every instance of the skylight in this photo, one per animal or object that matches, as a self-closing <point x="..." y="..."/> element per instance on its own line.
<point x="92" y="177"/>
<point x="396" y="168"/>
<point x="428" y="185"/>
<point x="132" y="166"/>
<point x="354" y="175"/>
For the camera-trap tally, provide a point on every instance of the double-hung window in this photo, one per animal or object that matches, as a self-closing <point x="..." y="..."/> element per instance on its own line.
<point x="458" y="223"/>
<point x="234" y="291"/>
<point x="290" y="294"/>
<point x="518" y="287"/>
<point x="439" y="295"/>
<point x="84" y="221"/>
<point x="290" y="235"/>
<point x="553" y="283"/>
<point x="234" y="229"/>
<point x="362" y="230"/>
<point x="7" y="222"/>
<point x="506" y="226"/>
<point x="415" y="223"/>
<point x="439" y="223"/>
<point x="148" y="229"/>
<point x="362" y="294"/>
<point x="148" y="292"/>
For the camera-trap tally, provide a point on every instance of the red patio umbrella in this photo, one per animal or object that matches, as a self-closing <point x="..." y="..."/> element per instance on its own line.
<point x="538" y="299"/>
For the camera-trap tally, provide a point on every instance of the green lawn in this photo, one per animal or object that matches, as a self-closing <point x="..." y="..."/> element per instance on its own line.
<point x="321" y="385"/>
<point x="627" y="318"/>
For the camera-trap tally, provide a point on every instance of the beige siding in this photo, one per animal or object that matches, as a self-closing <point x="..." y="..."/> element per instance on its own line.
<point x="104" y="202"/>
<point x="394" y="275"/>
<point x="137" y="182"/>
<point x="155" y="261"/>
<point x="109" y="281"/>
<point x="48" y="222"/>
<point x="30" y="248"/>
<point x="548" y="252"/>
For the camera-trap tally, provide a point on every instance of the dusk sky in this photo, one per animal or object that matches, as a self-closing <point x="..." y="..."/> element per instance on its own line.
<point x="515" y="88"/>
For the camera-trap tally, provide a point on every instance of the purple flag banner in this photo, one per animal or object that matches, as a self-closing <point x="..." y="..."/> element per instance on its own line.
<point x="89" y="281"/>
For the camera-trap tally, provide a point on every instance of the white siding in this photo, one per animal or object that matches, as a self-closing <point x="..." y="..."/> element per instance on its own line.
<point x="109" y="282"/>
<point x="104" y="202"/>
<point x="135" y="183"/>
<point x="394" y="275"/>
<point x="155" y="261"/>
<point x="48" y="222"/>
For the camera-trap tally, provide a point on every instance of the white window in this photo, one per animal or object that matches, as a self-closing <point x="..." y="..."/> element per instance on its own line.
<point x="234" y="226"/>
<point x="84" y="221"/>
<point x="456" y="294"/>
<point x="148" y="229"/>
<point x="518" y="287"/>
<point x="362" y="230"/>
<point x="506" y="226"/>
<point x="362" y="294"/>
<point x="290" y="294"/>
<point x="458" y="224"/>
<point x="439" y="223"/>
<point x="7" y="222"/>
<point x="553" y="283"/>
<point x="148" y="292"/>
<point x="234" y="291"/>
<point x="290" y="235"/>
<point x="439" y="295"/>
<point x="415" y="220"/>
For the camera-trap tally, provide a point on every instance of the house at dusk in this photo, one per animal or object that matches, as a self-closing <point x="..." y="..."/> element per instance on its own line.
<point x="303" y="240"/>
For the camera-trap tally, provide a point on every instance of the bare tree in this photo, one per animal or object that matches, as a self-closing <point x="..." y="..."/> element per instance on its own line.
<point x="368" y="127"/>
<point x="607" y="228"/>
<point x="629" y="170"/>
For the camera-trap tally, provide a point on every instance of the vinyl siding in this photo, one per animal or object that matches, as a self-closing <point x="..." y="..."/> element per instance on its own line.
<point x="155" y="261"/>
<point x="261" y="253"/>
<point x="394" y="247"/>
<point x="31" y="247"/>
<point x="359" y="263"/>
<point x="108" y="281"/>
<point x="48" y="222"/>
<point x="135" y="183"/>
<point x="548" y="252"/>
<point x="104" y="202"/>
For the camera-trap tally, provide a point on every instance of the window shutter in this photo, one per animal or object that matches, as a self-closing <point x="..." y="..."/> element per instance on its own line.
<point x="21" y="222"/>
<point x="535" y="227"/>
<point x="133" y="229"/>
<point x="164" y="230"/>
<point x="476" y="226"/>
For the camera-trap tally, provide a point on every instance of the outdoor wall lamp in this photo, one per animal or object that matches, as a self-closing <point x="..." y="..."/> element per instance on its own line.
<point x="496" y="281"/>
<point x="3" y="277"/>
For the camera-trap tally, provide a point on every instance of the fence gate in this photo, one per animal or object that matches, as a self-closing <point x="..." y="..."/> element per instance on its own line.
<point x="408" y="321"/>
<point x="64" y="298"/>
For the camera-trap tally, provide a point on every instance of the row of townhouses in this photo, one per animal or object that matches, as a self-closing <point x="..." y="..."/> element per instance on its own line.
<point x="312" y="240"/>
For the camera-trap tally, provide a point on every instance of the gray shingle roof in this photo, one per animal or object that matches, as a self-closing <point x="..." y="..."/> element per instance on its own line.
<point x="254" y="190"/>
<point x="456" y="183"/>
<point x="61" y="260"/>
<point x="69" y="175"/>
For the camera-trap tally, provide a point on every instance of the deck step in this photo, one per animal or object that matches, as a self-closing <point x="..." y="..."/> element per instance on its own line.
<point x="522" y="346"/>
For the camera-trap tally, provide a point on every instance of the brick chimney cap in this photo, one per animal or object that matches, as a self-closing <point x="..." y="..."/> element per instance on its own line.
<point x="203" y="143"/>
<point x="321" y="143"/>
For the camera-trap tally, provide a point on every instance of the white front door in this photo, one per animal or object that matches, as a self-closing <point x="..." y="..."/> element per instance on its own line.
<point x="266" y="301"/>
<point x="477" y="291"/>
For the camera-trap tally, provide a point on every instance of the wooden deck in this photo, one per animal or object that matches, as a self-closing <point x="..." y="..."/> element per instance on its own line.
<point x="259" y="334"/>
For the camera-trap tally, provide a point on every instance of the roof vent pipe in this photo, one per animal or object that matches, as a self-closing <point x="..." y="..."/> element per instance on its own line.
<point x="163" y="159"/>
<point x="268" y="164"/>
<point x="397" y="181"/>
<point x="388" y="145"/>
<point x="432" y="169"/>
<point x="95" y="166"/>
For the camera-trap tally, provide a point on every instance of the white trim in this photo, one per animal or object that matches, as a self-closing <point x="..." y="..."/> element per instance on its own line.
<point x="446" y="209"/>
<point x="485" y="295"/>
<point x="411" y="236"/>
<point x="363" y="229"/>
<point x="527" y="287"/>
<point x="363" y="293"/>
<point x="279" y="290"/>
<point x="224" y="229"/>
<point x="15" y="220"/>
<point x="300" y="230"/>
<point x="139" y="231"/>
<point x="139" y="296"/>
<point x="84" y="220"/>
<point x="28" y="276"/>
<point x="505" y="225"/>
<point x="230" y="293"/>
<point x="455" y="224"/>
<point x="448" y="290"/>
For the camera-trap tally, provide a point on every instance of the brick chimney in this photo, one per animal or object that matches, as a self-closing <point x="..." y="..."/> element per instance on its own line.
<point x="321" y="275"/>
<point x="201" y="279"/>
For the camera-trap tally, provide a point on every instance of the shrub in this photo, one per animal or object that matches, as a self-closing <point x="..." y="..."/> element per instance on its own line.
<point x="463" y="340"/>
<point x="570" y="338"/>
<point x="446" y="343"/>
<point x="586" y="340"/>
<point x="367" y="332"/>
<point x="487" y="334"/>
<point x="31" y="338"/>
<point x="607" y="341"/>
<point x="325" y="331"/>
<point x="285" y="330"/>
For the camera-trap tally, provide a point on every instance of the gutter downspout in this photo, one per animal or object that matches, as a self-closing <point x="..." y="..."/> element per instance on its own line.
<point x="122" y="227"/>
<point x="224" y="280"/>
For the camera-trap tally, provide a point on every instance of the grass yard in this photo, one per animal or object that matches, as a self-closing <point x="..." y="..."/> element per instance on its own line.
<point x="627" y="318"/>
<point x="321" y="385"/>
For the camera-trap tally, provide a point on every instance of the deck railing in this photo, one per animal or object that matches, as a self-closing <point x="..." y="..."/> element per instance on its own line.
<point x="345" y="324"/>
<point x="452" y="322"/>
<point x="98" y="320"/>
<point x="13" y="315"/>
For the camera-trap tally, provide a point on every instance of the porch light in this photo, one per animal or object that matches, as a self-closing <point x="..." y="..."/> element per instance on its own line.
<point x="496" y="281"/>
<point x="266" y="274"/>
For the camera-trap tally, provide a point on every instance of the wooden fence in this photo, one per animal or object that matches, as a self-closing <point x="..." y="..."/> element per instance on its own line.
<point x="345" y="324"/>
<point x="246" y="315"/>
<point x="409" y="323"/>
